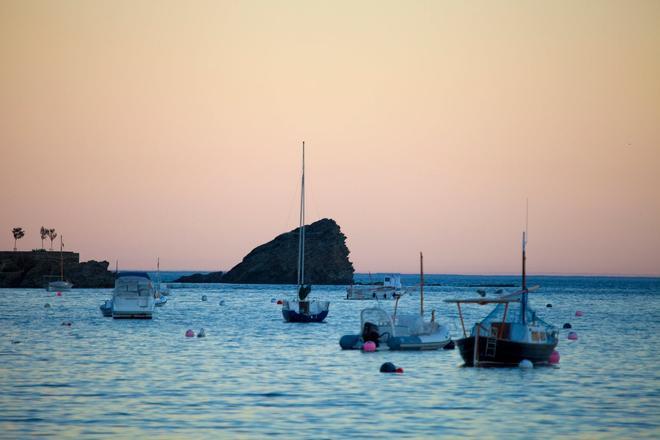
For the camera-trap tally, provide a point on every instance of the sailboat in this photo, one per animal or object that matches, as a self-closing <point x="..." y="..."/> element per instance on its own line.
<point x="161" y="289"/>
<point x="303" y="309"/>
<point x="399" y="331"/>
<point x="60" y="285"/>
<point x="506" y="337"/>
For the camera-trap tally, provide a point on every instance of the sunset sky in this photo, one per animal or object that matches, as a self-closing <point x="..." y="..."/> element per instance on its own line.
<point x="168" y="128"/>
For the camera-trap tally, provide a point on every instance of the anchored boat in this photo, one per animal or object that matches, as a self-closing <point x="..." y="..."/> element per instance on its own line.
<point x="133" y="296"/>
<point x="512" y="332"/>
<point x="390" y="289"/>
<point x="398" y="331"/>
<point x="303" y="309"/>
<point x="60" y="285"/>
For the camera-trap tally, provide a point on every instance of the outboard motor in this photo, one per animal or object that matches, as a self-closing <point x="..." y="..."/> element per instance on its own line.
<point x="370" y="333"/>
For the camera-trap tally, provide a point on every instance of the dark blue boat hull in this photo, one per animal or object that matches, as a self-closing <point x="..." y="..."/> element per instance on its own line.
<point x="507" y="353"/>
<point x="291" y="316"/>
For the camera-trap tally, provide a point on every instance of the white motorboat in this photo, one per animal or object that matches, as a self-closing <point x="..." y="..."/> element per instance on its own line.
<point x="399" y="331"/>
<point x="133" y="296"/>
<point x="390" y="289"/>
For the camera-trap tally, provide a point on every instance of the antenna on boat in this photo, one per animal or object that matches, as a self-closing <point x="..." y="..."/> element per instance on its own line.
<point x="421" y="285"/>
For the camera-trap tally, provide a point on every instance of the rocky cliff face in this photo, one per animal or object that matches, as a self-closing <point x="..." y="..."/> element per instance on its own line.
<point x="36" y="269"/>
<point x="276" y="262"/>
<point x="211" y="277"/>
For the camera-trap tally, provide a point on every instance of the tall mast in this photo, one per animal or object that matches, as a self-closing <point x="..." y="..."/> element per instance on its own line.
<point x="523" y="297"/>
<point x="61" y="260"/>
<point x="421" y="285"/>
<point x="158" y="270"/>
<point x="301" y="230"/>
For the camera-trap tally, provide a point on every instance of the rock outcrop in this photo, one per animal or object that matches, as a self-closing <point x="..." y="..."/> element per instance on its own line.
<point x="276" y="262"/>
<point x="35" y="269"/>
<point x="211" y="277"/>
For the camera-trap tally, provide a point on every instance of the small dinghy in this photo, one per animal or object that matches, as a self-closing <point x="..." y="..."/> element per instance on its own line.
<point x="399" y="331"/>
<point x="106" y="308"/>
<point x="161" y="301"/>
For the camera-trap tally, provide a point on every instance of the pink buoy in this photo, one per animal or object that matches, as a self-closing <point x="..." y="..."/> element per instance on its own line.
<point x="369" y="346"/>
<point x="190" y="333"/>
<point x="579" y="313"/>
<point x="572" y="336"/>
<point x="554" y="357"/>
<point x="280" y="302"/>
<point x="59" y="294"/>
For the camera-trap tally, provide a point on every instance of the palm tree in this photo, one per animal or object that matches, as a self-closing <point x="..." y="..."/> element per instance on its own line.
<point x="52" y="234"/>
<point x="44" y="235"/>
<point x="18" y="234"/>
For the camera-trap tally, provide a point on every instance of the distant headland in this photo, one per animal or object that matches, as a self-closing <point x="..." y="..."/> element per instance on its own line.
<point x="34" y="269"/>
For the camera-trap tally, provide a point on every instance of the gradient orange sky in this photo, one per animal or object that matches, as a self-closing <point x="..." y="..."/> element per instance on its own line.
<point x="165" y="128"/>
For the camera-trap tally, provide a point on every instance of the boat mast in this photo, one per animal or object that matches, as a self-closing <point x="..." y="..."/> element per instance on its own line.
<point x="61" y="260"/>
<point x="301" y="230"/>
<point x="158" y="270"/>
<point x="523" y="297"/>
<point x="421" y="285"/>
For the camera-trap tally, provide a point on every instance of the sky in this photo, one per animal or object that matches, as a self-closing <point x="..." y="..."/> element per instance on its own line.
<point x="140" y="129"/>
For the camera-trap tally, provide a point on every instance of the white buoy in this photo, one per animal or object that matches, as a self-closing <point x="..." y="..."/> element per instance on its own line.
<point x="525" y="364"/>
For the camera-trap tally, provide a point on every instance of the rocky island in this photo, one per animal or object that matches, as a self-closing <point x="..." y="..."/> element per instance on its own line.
<point x="211" y="277"/>
<point x="276" y="262"/>
<point x="36" y="268"/>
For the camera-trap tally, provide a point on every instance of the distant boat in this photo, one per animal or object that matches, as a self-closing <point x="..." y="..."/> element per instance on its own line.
<point x="161" y="289"/>
<point x="60" y="285"/>
<point x="390" y="289"/>
<point x="133" y="296"/>
<point x="106" y="308"/>
<point x="303" y="309"/>
<point x="398" y="331"/>
<point x="506" y="337"/>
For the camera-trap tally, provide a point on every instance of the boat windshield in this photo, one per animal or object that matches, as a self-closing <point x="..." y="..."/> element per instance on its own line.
<point x="377" y="316"/>
<point x="133" y="286"/>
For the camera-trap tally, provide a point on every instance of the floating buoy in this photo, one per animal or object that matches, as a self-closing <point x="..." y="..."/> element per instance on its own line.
<point x="572" y="336"/>
<point x="369" y="346"/>
<point x="548" y="305"/>
<point x="554" y="357"/>
<point x="567" y="325"/>
<point x="58" y="294"/>
<point x="389" y="367"/>
<point x="222" y="302"/>
<point x="449" y="346"/>
<point x="201" y="333"/>
<point x="579" y="313"/>
<point x="190" y="333"/>
<point x="525" y="364"/>
<point x="273" y="300"/>
<point x="204" y="298"/>
<point x="47" y="306"/>
<point x="67" y="323"/>
<point x="279" y="301"/>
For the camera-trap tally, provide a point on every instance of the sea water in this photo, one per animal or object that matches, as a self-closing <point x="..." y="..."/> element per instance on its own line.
<point x="254" y="375"/>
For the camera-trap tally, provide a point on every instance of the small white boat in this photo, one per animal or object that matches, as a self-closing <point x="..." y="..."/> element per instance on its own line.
<point x="106" y="308"/>
<point x="399" y="331"/>
<point x="390" y="289"/>
<point x="61" y="285"/>
<point x="160" y="301"/>
<point x="162" y="289"/>
<point x="133" y="296"/>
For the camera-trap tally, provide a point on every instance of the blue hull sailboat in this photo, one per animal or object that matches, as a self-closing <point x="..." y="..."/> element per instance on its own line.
<point x="302" y="309"/>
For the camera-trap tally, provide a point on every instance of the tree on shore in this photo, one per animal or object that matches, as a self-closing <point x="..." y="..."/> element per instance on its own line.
<point x="44" y="235"/>
<point x="18" y="234"/>
<point x="52" y="234"/>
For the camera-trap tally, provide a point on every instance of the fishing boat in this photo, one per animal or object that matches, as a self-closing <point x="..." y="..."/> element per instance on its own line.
<point x="398" y="331"/>
<point x="303" y="309"/>
<point x="60" y="285"/>
<point x="511" y="333"/>
<point x="389" y="289"/>
<point x="133" y="296"/>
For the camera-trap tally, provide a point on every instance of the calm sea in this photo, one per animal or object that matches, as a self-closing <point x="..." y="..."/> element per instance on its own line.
<point x="255" y="376"/>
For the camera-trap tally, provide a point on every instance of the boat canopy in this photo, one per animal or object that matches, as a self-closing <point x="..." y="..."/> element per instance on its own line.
<point x="392" y="280"/>
<point x="379" y="317"/>
<point x="512" y="316"/>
